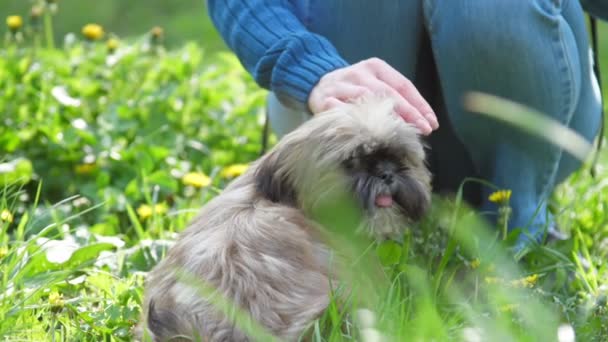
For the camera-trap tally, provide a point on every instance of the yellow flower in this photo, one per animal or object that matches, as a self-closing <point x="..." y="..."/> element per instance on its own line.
<point x="3" y="251"/>
<point x="6" y="216"/>
<point x="92" y="32"/>
<point x="112" y="44"/>
<point x="157" y="32"/>
<point x="84" y="169"/>
<point x="145" y="211"/>
<point x="528" y="281"/>
<point x="36" y="12"/>
<point x="14" y="22"/>
<point x="56" y="301"/>
<point x="500" y="196"/>
<point x="156" y="35"/>
<point x="475" y="263"/>
<point x="234" y="170"/>
<point x="493" y="280"/>
<point x="196" y="179"/>
<point x="508" y="307"/>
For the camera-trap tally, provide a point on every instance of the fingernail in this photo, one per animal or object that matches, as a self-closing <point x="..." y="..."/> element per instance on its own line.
<point x="432" y="120"/>
<point x="424" y="126"/>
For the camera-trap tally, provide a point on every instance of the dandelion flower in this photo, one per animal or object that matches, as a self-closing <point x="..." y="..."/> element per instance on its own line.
<point x="6" y="216"/>
<point x="157" y="32"/>
<point x="14" y="22"/>
<point x="84" y="169"/>
<point x="196" y="179"/>
<point x="36" y="12"/>
<point x="56" y="301"/>
<point x="3" y="251"/>
<point x="508" y="307"/>
<point x="112" y="44"/>
<point x="156" y="35"/>
<point x="528" y="281"/>
<point x="500" y="196"/>
<point x="92" y="32"/>
<point x="234" y="170"/>
<point x="493" y="280"/>
<point x="145" y="211"/>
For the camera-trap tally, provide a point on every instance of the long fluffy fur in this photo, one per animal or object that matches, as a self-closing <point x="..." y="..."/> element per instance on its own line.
<point x="256" y="243"/>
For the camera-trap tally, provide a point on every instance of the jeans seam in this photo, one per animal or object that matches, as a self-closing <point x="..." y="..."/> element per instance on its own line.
<point x="569" y="93"/>
<point x="431" y="12"/>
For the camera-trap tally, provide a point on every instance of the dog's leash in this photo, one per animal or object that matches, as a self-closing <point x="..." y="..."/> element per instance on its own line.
<point x="596" y="70"/>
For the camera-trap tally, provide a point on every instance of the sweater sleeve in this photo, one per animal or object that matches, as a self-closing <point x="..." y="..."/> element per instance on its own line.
<point x="275" y="47"/>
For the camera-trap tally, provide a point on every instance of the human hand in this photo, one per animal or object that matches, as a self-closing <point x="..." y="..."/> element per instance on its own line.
<point x="373" y="76"/>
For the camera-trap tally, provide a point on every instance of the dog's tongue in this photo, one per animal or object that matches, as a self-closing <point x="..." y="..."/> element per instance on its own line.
<point x="384" y="201"/>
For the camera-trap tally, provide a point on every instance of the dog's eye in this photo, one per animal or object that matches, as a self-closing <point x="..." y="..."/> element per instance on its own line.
<point x="349" y="164"/>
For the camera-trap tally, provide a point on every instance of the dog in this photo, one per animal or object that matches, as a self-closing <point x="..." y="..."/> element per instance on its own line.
<point x="257" y="243"/>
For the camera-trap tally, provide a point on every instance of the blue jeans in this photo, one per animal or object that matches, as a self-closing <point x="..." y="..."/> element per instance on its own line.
<point x="535" y="52"/>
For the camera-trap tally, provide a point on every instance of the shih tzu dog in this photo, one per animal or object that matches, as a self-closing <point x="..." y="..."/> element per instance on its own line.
<point x="257" y="245"/>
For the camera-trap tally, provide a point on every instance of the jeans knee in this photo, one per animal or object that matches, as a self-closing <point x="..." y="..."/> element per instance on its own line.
<point x="496" y="25"/>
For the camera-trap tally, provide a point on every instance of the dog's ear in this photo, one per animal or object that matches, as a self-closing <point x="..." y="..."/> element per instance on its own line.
<point x="272" y="183"/>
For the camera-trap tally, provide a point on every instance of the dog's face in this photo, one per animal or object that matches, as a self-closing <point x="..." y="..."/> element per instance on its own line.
<point x="379" y="158"/>
<point x="381" y="179"/>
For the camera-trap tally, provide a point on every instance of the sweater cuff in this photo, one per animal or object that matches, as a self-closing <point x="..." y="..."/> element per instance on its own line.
<point x="298" y="63"/>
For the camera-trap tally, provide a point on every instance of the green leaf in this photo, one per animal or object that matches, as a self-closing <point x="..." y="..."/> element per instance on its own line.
<point x="389" y="252"/>
<point x="18" y="171"/>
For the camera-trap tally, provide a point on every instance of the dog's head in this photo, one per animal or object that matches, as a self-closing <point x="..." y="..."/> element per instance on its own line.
<point x="376" y="154"/>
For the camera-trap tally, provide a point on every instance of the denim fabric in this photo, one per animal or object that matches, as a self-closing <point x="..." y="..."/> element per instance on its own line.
<point x="535" y="52"/>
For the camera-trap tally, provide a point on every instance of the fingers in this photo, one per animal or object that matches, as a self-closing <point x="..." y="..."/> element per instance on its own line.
<point x="335" y="95"/>
<point x="405" y="88"/>
<point x="373" y="76"/>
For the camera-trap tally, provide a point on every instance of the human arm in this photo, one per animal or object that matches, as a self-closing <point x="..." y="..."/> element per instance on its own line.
<point x="304" y="69"/>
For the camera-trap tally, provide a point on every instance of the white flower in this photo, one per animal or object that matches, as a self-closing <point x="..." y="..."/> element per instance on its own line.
<point x="61" y="94"/>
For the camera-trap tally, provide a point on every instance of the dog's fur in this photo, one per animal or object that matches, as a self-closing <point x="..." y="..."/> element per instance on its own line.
<point x="257" y="244"/>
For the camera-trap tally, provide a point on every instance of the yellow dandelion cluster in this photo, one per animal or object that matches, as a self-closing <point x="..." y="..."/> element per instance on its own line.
<point x="112" y="44"/>
<point x="14" y="22"/>
<point x="145" y="211"/>
<point x="3" y="251"/>
<point x="234" y="170"/>
<point x="56" y="301"/>
<point x="196" y="179"/>
<point x="528" y="281"/>
<point x="500" y="196"/>
<point x="6" y="216"/>
<point x="85" y="169"/>
<point x="92" y="32"/>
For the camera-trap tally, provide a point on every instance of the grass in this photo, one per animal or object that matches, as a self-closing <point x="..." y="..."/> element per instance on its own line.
<point x="108" y="155"/>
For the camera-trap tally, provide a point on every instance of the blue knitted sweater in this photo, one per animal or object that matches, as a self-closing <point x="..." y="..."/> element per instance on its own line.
<point x="275" y="47"/>
<point x="280" y="53"/>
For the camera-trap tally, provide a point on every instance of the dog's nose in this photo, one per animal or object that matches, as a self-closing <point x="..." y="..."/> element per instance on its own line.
<point x="387" y="177"/>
